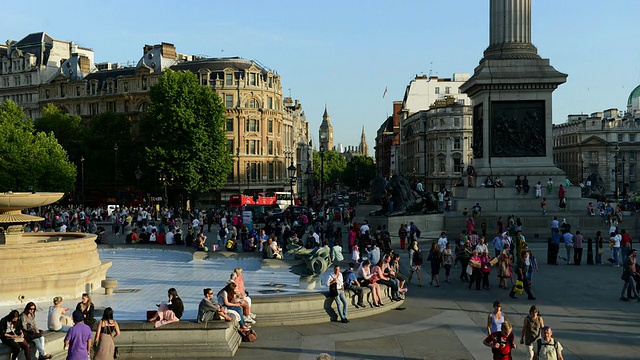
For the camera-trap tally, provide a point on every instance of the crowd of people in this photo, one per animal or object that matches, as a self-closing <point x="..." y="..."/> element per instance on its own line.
<point x="18" y="330"/>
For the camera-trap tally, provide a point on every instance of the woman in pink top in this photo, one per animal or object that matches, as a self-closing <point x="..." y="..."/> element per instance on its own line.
<point x="368" y="278"/>
<point x="245" y="303"/>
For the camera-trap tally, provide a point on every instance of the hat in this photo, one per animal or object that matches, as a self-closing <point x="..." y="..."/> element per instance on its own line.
<point x="78" y="316"/>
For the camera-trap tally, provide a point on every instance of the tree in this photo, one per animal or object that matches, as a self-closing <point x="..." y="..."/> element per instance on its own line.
<point x="30" y="159"/>
<point x="334" y="165"/>
<point x="359" y="172"/>
<point x="184" y="133"/>
<point x="69" y="130"/>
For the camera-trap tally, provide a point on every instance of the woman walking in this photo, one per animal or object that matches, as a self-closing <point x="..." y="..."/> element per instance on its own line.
<point x="533" y="323"/>
<point x="106" y="333"/>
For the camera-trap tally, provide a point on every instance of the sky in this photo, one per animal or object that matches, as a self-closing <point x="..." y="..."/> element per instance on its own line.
<point x="343" y="54"/>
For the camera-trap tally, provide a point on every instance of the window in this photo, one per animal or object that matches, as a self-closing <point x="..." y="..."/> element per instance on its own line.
<point x="437" y="90"/>
<point x="270" y="147"/>
<point x="270" y="82"/>
<point x="144" y="82"/>
<point x="78" y="110"/>
<point x="110" y="87"/>
<point x="94" y="109"/>
<point x="441" y="165"/>
<point x="447" y="90"/>
<point x="94" y="88"/>
<point x="632" y="137"/>
<point x="269" y="103"/>
<point x="457" y="143"/>
<point x="125" y="86"/>
<point x="77" y="90"/>
<point x="16" y="80"/>
<point x="632" y="170"/>
<point x="228" y="79"/>
<point x="252" y="79"/>
<point x="252" y="125"/>
<point x="230" y="146"/>
<point x="27" y="80"/>
<point x="229" y="124"/>
<point x="252" y="147"/>
<point x="62" y="93"/>
<point x="632" y="155"/>
<point x="111" y="106"/>
<point x="251" y="104"/>
<point x="46" y="94"/>
<point x="620" y="137"/>
<point x="457" y="165"/>
<point x="5" y="82"/>
<point x="228" y="101"/>
<point x="456" y="121"/>
<point x="270" y="126"/>
<point x="271" y="172"/>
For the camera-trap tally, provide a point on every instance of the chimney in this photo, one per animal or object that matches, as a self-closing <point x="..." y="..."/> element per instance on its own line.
<point x="73" y="48"/>
<point x="85" y="64"/>
<point x="168" y="51"/>
<point x="146" y="49"/>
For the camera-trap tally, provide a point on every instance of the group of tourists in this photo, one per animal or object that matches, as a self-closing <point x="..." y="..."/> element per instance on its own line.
<point x="19" y="332"/>
<point x="535" y="335"/>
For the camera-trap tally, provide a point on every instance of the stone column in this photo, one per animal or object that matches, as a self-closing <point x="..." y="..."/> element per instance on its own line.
<point x="510" y="30"/>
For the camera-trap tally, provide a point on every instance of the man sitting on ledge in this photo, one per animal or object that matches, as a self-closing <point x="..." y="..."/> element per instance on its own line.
<point x="209" y="310"/>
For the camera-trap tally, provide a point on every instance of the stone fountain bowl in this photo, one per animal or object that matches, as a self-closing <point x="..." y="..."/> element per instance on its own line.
<point x="18" y="201"/>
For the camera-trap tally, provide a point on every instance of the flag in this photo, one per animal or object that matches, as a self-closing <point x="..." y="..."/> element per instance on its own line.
<point x="385" y="92"/>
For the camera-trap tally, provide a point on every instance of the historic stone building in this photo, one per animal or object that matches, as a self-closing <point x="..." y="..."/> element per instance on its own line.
<point x="35" y="60"/>
<point x="436" y="143"/>
<point x="265" y="133"/>
<point x="606" y="143"/>
<point x="387" y="143"/>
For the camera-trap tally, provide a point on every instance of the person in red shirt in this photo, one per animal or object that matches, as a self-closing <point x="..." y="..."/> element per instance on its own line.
<point x="501" y="342"/>
<point x="625" y="243"/>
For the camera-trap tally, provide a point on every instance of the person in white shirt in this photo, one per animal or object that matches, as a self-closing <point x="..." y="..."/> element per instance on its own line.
<point x="442" y="241"/>
<point x="364" y="228"/>
<point x="482" y="246"/>
<point x="341" y="300"/>
<point x="169" y="237"/>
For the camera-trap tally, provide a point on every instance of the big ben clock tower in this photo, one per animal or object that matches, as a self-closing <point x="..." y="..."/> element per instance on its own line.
<point x="326" y="131"/>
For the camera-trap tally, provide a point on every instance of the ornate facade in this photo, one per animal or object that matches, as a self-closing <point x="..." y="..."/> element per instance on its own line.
<point x="265" y="133"/>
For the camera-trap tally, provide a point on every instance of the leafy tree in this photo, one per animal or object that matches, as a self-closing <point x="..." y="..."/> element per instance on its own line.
<point x="30" y="159"/>
<point x="184" y="133"/>
<point x="334" y="165"/>
<point x="69" y="130"/>
<point x="359" y="172"/>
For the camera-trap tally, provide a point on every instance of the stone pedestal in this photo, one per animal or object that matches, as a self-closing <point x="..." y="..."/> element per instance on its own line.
<point x="309" y="282"/>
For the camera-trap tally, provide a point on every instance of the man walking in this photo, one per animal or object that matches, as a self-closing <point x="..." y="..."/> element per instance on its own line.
<point x="568" y="245"/>
<point x="554" y="247"/>
<point x="548" y="348"/>
<point x="521" y="271"/>
<point x="628" y="272"/>
<point x="78" y="339"/>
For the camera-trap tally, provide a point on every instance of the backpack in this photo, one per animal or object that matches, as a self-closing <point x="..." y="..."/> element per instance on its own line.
<point x="248" y="335"/>
<point x="536" y="356"/>
<point x="418" y="258"/>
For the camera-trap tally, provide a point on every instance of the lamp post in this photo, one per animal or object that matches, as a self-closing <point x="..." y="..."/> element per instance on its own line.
<point x="624" y="186"/>
<point x="582" y="168"/>
<point x="82" y="173"/>
<point x="238" y="178"/>
<point x="615" y="156"/>
<point x="138" y="174"/>
<point x="165" y="182"/>
<point x="115" y="148"/>
<point x="292" y="178"/>
<point x="322" y="175"/>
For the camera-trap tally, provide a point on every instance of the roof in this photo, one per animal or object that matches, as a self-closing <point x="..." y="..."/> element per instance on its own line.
<point x="106" y="74"/>
<point x="634" y="94"/>
<point x="218" y="64"/>
<point x="35" y="39"/>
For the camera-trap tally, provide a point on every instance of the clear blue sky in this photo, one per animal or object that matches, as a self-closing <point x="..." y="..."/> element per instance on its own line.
<point x="344" y="53"/>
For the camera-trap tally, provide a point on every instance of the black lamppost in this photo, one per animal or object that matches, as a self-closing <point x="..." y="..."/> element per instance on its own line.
<point x="624" y="185"/>
<point x="292" y="178"/>
<point x="615" y="156"/>
<point x="165" y="182"/>
<point x="238" y="178"/>
<point x="322" y="175"/>
<point x="582" y="168"/>
<point x="248" y="176"/>
<point x="138" y="174"/>
<point x="309" y="173"/>
<point x="82" y="173"/>
<point x="115" y="148"/>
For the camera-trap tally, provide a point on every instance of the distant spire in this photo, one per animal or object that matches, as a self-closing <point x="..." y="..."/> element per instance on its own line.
<point x="326" y="113"/>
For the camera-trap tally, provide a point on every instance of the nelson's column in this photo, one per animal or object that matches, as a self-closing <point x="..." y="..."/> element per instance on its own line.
<point x="511" y="92"/>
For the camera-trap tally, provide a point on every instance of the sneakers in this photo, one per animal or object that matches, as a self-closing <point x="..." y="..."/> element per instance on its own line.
<point x="253" y="316"/>
<point x="249" y="320"/>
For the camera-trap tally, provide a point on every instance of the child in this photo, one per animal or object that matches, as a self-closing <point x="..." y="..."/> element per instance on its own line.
<point x="543" y="206"/>
<point x="355" y="254"/>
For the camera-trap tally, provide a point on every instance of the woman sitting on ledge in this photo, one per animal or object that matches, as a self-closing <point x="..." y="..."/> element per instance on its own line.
<point x="227" y="298"/>
<point x="169" y="312"/>
<point x="369" y="279"/>
<point x="236" y="277"/>
<point x="86" y="307"/>
<point x="57" y="321"/>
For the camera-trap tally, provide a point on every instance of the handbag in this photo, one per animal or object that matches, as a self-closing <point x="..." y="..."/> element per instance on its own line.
<point x="600" y="251"/>
<point x="469" y="269"/>
<point x="519" y="287"/>
<point x="333" y="290"/>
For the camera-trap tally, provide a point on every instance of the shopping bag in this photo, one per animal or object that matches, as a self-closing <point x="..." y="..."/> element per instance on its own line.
<point x="519" y="288"/>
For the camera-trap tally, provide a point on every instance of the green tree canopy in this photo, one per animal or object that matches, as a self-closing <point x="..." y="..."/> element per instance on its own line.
<point x="69" y="130"/>
<point x="30" y="159"/>
<point x="359" y="172"/>
<point x="184" y="133"/>
<point x="334" y="165"/>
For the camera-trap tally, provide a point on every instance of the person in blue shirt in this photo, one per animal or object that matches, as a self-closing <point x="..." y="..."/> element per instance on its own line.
<point x="554" y="247"/>
<point x="497" y="244"/>
<point x="568" y="244"/>
<point x="351" y="283"/>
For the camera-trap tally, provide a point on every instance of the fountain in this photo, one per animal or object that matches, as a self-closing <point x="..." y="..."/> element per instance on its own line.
<point x="39" y="266"/>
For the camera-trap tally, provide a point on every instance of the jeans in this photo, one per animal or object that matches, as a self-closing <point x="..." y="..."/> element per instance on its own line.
<point x="237" y="309"/>
<point x="624" y="250"/>
<point x="616" y="256"/>
<point x="39" y="342"/>
<point x="629" y="283"/>
<point x="393" y="284"/>
<point x="357" y="290"/>
<point x="569" y="248"/>
<point x="341" y="304"/>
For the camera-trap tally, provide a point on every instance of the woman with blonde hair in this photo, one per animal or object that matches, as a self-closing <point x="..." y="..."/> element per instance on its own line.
<point x="56" y="320"/>
<point x="106" y="333"/>
<point x="87" y="308"/>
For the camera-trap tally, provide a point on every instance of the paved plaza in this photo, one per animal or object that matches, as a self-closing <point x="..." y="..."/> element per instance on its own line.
<point x="580" y="303"/>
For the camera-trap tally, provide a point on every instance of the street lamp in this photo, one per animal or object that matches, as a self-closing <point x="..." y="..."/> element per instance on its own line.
<point x="292" y="178"/>
<point x="115" y="148"/>
<point x="615" y="156"/>
<point x="165" y="182"/>
<point x="82" y="167"/>
<point x="322" y="174"/>
<point x="582" y="168"/>
<point x="138" y="174"/>
<point x="624" y="186"/>
<point x="238" y="178"/>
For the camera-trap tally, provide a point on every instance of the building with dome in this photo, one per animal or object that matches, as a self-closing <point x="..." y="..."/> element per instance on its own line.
<point x="606" y="143"/>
